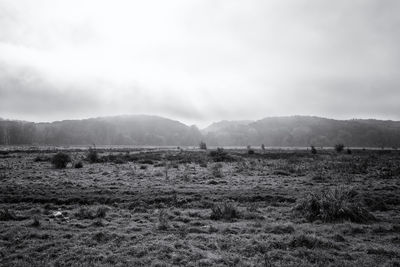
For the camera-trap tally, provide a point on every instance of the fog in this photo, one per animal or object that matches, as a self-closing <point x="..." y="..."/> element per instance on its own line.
<point x="199" y="61"/>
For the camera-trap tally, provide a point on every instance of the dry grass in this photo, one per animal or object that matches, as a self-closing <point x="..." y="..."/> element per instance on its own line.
<point x="113" y="212"/>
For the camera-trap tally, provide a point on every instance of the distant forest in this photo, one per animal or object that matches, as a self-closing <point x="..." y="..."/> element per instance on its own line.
<point x="158" y="131"/>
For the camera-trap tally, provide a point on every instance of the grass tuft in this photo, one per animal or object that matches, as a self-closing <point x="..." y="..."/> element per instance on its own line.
<point x="333" y="205"/>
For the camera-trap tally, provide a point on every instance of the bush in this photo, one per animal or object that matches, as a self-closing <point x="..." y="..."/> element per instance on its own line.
<point x="339" y="147"/>
<point x="333" y="205"/>
<point x="78" y="165"/>
<point x="7" y="215"/>
<point x="313" y="150"/>
<point x="219" y="155"/>
<point x="226" y="212"/>
<point x="163" y="222"/>
<point x="216" y="170"/>
<point x="92" y="156"/>
<point x="203" y="145"/>
<point x="60" y="160"/>
<point x="349" y="151"/>
<point x="85" y="213"/>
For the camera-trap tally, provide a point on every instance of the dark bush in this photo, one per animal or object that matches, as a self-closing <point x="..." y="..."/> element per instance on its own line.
<point x="41" y="158"/>
<point x="313" y="150"/>
<point x="333" y="205"/>
<point x="92" y="155"/>
<point x="219" y="155"/>
<point x="226" y="211"/>
<point x="349" y="151"/>
<point x="85" y="213"/>
<point x="203" y="145"/>
<point x="339" y="147"/>
<point x="78" y="165"/>
<point x="60" y="160"/>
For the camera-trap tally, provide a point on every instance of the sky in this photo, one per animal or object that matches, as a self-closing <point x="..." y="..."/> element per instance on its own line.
<point x="199" y="61"/>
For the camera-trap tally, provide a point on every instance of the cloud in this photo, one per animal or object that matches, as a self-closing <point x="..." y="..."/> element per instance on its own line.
<point x="199" y="61"/>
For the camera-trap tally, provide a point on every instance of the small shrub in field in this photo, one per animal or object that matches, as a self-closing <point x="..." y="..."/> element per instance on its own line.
<point x="216" y="170"/>
<point x="78" y="165"/>
<point x="92" y="155"/>
<point x="163" y="222"/>
<point x="333" y="205"/>
<point x="226" y="211"/>
<point x="349" y="151"/>
<point x="313" y="150"/>
<point x="203" y="145"/>
<point x="85" y="213"/>
<point x="41" y="158"/>
<point x="60" y="160"/>
<point x="219" y="155"/>
<point x="35" y="222"/>
<point x="7" y="215"/>
<point x="339" y="147"/>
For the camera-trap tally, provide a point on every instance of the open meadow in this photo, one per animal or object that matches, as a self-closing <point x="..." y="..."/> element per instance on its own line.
<point x="200" y="208"/>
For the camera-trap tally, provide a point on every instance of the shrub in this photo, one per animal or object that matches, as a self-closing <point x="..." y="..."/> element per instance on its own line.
<point x="92" y="155"/>
<point x="35" y="222"/>
<point x="333" y="205"/>
<point x="41" y="158"/>
<point x="219" y="155"/>
<point x="226" y="211"/>
<point x="203" y="145"/>
<point x="85" y="213"/>
<point x="313" y="150"/>
<point x="339" y="147"/>
<point x="7" y="215"/>
<point x="60" y="160"/>
<point x="78" y="165"/>
<point x="216" y="170"/>
<point x="163" y="222"/>
<point x="349" y="151"/>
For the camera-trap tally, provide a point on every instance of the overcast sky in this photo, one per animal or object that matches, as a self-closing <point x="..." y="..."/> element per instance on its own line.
<point x="199" y="61"/>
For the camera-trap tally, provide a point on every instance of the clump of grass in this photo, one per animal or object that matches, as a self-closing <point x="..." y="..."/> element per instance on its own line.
<point x="85" y="213"/>
<point x="313" y="150"/>
<point x="7" y="215"/>
<point x="226" y="211"/>
<point x="216" y="170"/>
<point x="60" y="160"/>
<point x="203" y="145"/>
<point x="333" y="205"/>
<point x="339" y="148"/>
<point x="163" y="221"/>
<point x="78" y="165"/>
<point x="310" y="242"/>
<point x="219" y="155"/>
<point x="92" y="155"/>
<point x="35" y="222"/>
<point x="41" y="158"/>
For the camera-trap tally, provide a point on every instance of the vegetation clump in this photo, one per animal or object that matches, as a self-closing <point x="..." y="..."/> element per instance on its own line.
<point x="60" y="160"/>
<point x="203" y="145"/>
<point x="333" y="205"/>
<point x="313" y="150"/>
<point x="226" y="211"/>
<point x="220" y="155"/>
<point x="78" y="165"/>
<point x="339" y="148"/>
<point x="92" y="155"/>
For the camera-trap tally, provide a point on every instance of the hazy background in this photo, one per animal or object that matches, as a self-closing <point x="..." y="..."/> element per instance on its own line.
<point x="199" y="61"/>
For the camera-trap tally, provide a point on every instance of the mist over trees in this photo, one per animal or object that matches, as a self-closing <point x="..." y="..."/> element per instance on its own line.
<point x="157" y="131"/>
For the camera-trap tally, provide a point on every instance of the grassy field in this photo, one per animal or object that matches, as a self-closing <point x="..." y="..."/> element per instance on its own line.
<point x="201" y="208"/>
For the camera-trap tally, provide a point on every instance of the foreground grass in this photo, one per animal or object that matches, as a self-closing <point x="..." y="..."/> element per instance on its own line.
<point x="181" y="208"/>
